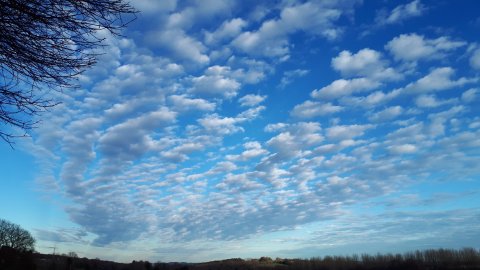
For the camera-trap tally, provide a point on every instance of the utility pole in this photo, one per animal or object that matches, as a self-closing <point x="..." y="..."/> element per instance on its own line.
<point x="54" y="249"/>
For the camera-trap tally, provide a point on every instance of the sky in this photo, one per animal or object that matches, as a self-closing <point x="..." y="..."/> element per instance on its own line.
<point x="218" y="129"/>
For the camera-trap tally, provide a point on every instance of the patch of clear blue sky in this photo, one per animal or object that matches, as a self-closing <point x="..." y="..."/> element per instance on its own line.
<point x="21" y="200"/>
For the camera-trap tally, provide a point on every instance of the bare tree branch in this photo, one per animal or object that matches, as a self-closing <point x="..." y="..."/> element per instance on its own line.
<point x="44" y="45"/>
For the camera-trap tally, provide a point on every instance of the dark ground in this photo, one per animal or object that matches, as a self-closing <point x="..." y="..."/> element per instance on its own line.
<point x="467" y="258"/>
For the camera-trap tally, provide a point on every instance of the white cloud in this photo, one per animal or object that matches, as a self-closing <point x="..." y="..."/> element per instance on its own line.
<point x="224" y="166"/>
<point x="79" y="138"/>
<point x="250" y="113"/>
<point x="349" y="63"/>
<point x="227" y="30"/>
<point x="282" y="141"/>
<point x="253" y="149"/>
<point x="239" y="183"/>
<point x="220" y="125"/>
<point x="198" y="13"/>
<point x="437" y="125"/>
<point x="403" y="149"/>
<point x="475" y="59"/>
<point x="342" y="132"/>
<point x="469" y="95"/>
<point x="252" y="145"/>
<point x="121" y="109"/>
<point x="475" y="124"/>
<point x="401" y="13"/>
<point x="271" y="39"/>
<point x="344" y="87"/>
<point x="275" y="127"/>
<point x="290" y="75"/>
<point x="292" y="141"/>
<point x="184" y="103"/>
<point x="251" y="100"/>
<point x="365" y="62"/>
<point x="387" y="114"/>
<point x="180" y="152"/>
<point x="181" y="45"/>
<point x="413" y="47"/>
<point x="310" y="109"/>
<point x="414" y="131"/>
<point x="430" y="101"/>
<point x="130" y="139"/>
<point x="216" y="81"/>
<point x="374" y="99"/>
<point x="140" y="75"/>
<point x="252" y="71"/>
<point x="437" y="80"/>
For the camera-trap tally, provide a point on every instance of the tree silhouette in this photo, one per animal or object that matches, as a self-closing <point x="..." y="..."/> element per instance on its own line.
<point x="44" y="45"/>
<point x="13" y="236"/>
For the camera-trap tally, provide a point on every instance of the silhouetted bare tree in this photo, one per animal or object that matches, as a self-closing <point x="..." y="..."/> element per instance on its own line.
<point x="13" y="236"/>
<point x="45" y="44"/>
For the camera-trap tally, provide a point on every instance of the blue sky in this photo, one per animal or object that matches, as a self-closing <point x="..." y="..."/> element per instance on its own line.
<point x="218" y="129"/>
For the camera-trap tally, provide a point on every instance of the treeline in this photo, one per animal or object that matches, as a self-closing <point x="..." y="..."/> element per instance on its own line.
<point x="439" y="259"/>
<point x="433" y="259"/>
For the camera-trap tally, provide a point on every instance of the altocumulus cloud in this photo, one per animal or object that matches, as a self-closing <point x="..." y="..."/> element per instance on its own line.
<point x="184" y="134"/>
